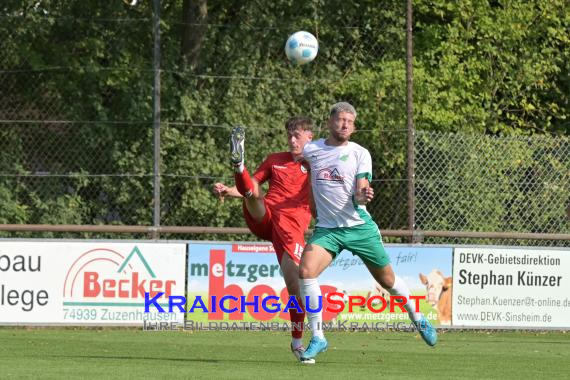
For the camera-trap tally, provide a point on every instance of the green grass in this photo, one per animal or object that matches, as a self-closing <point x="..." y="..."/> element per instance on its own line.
<point x="128" y="353"/>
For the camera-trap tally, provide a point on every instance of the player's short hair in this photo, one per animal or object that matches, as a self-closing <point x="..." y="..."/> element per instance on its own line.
<point x="299" y="122"/>
<point x="342" y="107"/>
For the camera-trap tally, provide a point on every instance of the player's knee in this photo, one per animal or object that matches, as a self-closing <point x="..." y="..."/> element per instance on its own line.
<point x="387" y="284"/>
<point x="255" y="195"/>
<point x="306" y="272"/>
<point x="387" y="281"/>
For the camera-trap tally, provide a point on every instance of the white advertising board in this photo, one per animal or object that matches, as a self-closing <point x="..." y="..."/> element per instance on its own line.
<point x="511" y="288"/>
<point x="96" y="283"/>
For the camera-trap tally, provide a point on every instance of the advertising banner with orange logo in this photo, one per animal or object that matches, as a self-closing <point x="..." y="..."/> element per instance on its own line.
<point x="96" y="283"/>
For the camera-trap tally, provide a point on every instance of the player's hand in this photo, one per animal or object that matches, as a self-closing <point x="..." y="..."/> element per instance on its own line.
<point x="220" y="191"/>
<point x="365" y="195"/>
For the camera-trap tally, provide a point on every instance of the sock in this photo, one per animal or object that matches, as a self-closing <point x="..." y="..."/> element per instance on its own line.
<point x="401" y="289"/>
<point x="243" y="183"/>
<point x="297" y="320"/>
<point x="296" y="343"/>
<point x="310" y="288"/>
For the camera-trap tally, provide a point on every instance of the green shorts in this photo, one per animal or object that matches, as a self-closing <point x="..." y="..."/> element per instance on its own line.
<point x="363" y="240"/>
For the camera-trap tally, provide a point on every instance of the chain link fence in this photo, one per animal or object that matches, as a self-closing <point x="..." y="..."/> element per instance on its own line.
<point x="489" y="184"/>
<point x="76" y="119"/>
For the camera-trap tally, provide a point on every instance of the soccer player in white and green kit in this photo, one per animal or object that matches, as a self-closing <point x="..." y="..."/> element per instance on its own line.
<point x="341" y="171"/>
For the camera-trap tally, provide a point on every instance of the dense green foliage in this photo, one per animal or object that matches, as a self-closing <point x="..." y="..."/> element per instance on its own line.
<point x="485" y="67"/>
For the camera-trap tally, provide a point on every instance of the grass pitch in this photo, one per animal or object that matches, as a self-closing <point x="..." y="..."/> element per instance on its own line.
<point x="128" y="353"/>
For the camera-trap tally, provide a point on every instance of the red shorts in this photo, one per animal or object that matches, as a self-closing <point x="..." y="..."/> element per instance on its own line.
<point x="285" y="230"/>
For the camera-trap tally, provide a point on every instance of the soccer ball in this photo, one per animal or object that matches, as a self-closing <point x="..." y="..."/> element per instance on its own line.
<point x="301" y="48"/>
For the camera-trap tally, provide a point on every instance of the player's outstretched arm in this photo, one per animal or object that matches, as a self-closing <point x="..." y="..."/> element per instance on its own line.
<point x="221" y="191"/>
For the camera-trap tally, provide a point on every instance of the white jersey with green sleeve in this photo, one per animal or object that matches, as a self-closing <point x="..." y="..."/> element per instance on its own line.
<point x="334" y="171"/>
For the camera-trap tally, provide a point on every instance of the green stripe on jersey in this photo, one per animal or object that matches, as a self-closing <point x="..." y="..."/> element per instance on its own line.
<point x="368" y="176"/>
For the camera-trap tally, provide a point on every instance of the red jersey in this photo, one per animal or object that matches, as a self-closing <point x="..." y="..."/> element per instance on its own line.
<point x="288" y="183"/>
<point x="287" y="215"/>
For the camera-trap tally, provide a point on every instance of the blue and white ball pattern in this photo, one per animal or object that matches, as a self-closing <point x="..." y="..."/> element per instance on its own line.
<point x="301" y="48"/>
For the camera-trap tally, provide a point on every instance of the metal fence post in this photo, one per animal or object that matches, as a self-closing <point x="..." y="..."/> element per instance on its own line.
<point x="156" y="117"/>
<point x="410" y="120"/>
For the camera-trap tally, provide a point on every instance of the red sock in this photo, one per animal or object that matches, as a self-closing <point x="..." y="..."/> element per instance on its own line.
<point x="297" y="321"/>
<point x="243" y="183"/>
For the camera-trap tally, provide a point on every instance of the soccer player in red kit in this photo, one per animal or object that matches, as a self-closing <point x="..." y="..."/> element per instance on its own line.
<point x="283" y="214"/>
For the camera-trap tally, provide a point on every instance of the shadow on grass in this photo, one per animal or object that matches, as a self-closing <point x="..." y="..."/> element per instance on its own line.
<point x="134" y="358"/>
<point x="196" y="360"/>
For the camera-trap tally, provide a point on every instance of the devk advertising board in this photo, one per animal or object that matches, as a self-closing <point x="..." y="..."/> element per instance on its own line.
<point x="511" y="287"/>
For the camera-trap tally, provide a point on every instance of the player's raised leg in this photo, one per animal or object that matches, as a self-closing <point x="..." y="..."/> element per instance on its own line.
<point x="397" y="287"/>
<point x="237" y="148"/>
<point x="314" y="261"/>
<point x="245" y="185"/>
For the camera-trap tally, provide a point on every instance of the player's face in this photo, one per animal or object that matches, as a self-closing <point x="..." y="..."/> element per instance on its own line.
<point x="341" y="126"/>
<point x="297" y="140"/>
